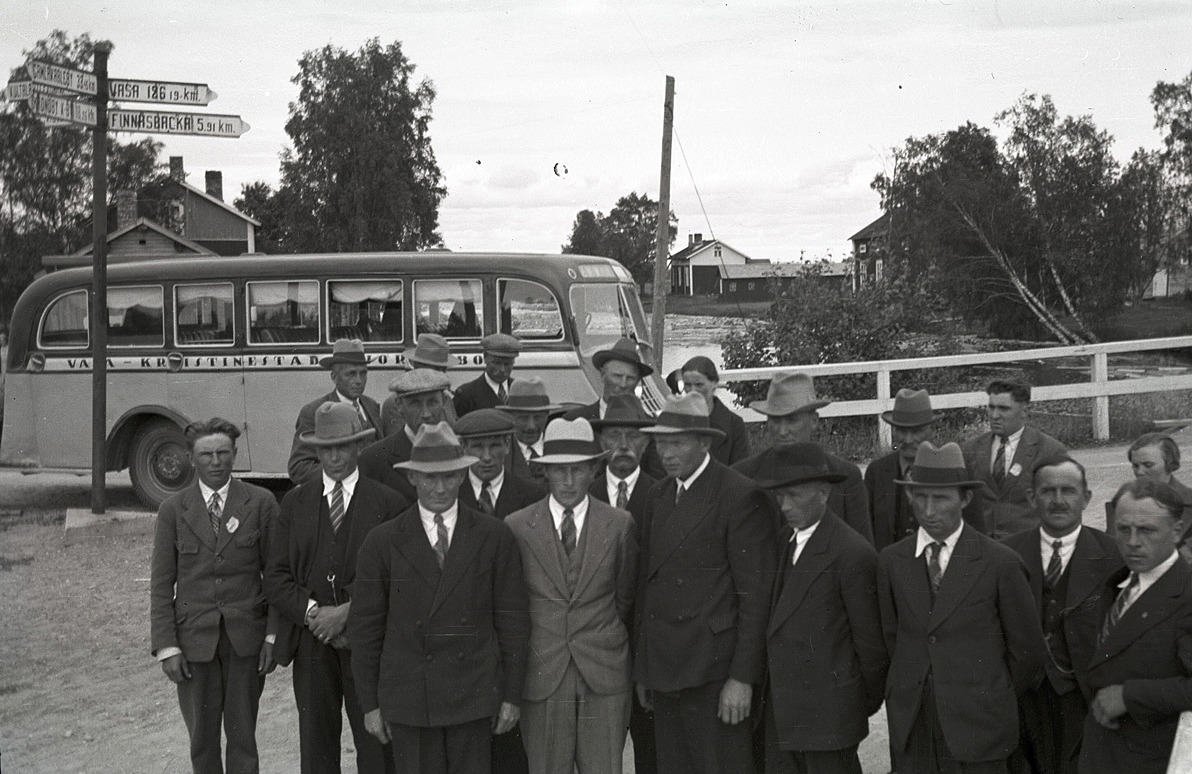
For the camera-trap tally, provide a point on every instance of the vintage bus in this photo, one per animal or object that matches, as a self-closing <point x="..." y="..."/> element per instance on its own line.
<point x="241" y="338"/>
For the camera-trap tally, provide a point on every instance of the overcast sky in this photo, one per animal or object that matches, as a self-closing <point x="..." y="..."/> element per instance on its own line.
<point x="784" y="111"/>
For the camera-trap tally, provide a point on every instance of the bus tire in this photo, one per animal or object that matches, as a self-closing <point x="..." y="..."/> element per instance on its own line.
<point x="158" y="463"/>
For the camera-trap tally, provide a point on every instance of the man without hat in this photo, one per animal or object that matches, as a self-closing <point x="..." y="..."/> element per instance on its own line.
<point x="791" y="408"/>
<point x="825" y="653"/>
<point x="349" y="372"/>
<point x="706" y="571"/>
<point x="440" y="622"/>
<point x="1068" y="562"/>
<point x="420" y="395"/>
<point x="530" y="408"/>
<point x="961" y="628"/>
<point x="579" y="556"/>
<point x="491" y="388"/>
<point x="310" y="580"/>
<point x="209" y="631"/>
<point x="433" y="352"/>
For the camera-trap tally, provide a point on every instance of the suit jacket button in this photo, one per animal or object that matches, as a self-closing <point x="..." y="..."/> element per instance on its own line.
<point x="418" y="623"/>
<point x="463" y="620"/>
<point x="931" y="639"/>
<point x="679" y="582"/>
<point x="218" y="581"/>
<point x="430" y="658"/>
<point x="218" y="559"/>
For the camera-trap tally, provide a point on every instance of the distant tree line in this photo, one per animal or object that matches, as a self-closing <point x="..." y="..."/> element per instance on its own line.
<point x="627" y="234"/>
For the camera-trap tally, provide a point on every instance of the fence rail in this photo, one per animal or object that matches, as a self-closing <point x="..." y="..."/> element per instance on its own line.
<point x="1100" y="387"/>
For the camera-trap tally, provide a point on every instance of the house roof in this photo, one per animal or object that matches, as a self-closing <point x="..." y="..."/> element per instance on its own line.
<point x="173" y="237"/>
<point x="691" y="250"/>
<point x="217" y="202"/>
<point x="766" y="270"/>
<point x="878" y="228"/>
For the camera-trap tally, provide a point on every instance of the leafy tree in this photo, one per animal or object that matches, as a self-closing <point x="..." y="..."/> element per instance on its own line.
<point x="626" y="234"/>
<point x="361" y="174"/>
<point x="260" y="202"/>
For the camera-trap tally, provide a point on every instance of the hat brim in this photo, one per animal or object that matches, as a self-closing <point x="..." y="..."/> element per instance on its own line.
<point x="309" y="437"/>
<point x="567" y="459"/>
<point x="439" y="466"/>
<point x="605" y="355"/>
<point x="532" y="409"/>
<point x="711" y="432"/>
<point x="763" y="407"/>
<point x="888" y="418"/>
<point x="600" y="424"/>
<point x="427" y="363"/>
<point x="331" y="360"/>
<point x="939" y="484"/>
<point x="777" y="483"/>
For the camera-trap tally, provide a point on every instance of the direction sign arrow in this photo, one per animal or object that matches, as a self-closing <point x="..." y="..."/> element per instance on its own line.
<point x="62" y="108"/>
<point x="17" y="91"/>
<point x="162" y="92"/>
<point x="62" y="77"/>
<point x="164" y="122"/>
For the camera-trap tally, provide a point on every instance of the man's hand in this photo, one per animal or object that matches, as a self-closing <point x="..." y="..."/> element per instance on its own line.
<point x="340" y="642"/>
<point x="1108" y="705"/>
<point x="266" y="663"/>
<point x="375" y="725"/>
<point x="329" y="622"/>
<point x="176" y="668"/>
<point x="506" y="718"/>
<point x="735" y="700"/>
<point x="643" y="698"/>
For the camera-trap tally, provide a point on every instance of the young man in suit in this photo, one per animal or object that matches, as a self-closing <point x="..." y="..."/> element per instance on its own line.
<point x="530" y="408"/>
<point x="1067" y="563"/>
<point x="1002" y="459"/>
<point x="825" y="655"/>
<point x="420" y="394"/>
<point x="1135" y="667"/>
<point x="209" y="630"/>
<point x="349" y="371"/>
<point x="312" y="569"/>
<point x="491" y="388"/>
<point x="706" y="570"/>
<point x="890" y="511"/>
<point x="579" y="558"/>
<point x="440" y="621"/>
<point x="431" y="352"/>
<point x="961" y="628"/>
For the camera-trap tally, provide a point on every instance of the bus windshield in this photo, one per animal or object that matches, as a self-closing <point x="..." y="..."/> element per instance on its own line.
<point x="605" y="312"/>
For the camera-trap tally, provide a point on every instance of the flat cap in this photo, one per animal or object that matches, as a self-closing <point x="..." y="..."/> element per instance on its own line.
<point x="419" y="380"/>
<point x="484" y="422"/>
<point x="501" y="344"/>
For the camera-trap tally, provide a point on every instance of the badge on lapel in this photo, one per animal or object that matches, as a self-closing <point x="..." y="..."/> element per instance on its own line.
<point x="1016" y="469"/>
<point x="233" y="525"/>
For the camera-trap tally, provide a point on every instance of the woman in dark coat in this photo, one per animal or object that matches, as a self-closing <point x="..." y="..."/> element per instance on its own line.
<point x="1157" y="456"/>
<point x="700" y="375"/>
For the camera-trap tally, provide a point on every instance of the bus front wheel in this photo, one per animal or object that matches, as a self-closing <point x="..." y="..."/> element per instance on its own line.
<point x="158" y="464"/>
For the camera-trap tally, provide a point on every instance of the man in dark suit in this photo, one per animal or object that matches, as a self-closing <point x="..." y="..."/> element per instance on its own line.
<point x="209" y="629"/>
<point x="791" y="408"/>
<point x="890" y="511"/>
<point x="312" y="569"/>
<point x="621" y="369"/>
<point x="1135" y="667"/>
<point x="961" y="628"/>
<point x="707" y="567"/>
<point x="624" y="484"/>
<point x="825" y="653"/>
<point x="530" y="408"/>
<point x="421" y="398"/>
<point x="1002" y="459"/>
<point x="491" y="388"/>
<point x="440" y="621"/>
<point x="349" y="371"/>
<point x="1067" y="563"/>
<point x="432" y="352"/>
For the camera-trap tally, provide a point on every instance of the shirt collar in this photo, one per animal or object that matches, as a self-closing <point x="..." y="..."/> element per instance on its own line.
<point x="493" y="485"/>
<point x="923" y="539"/>
<point x="349" y="483"/>
<point x="525" y="448"/>
<point x="629" y="480"/>
<point x="494" y="386"/>
<point x="578" y="511"/>
<point x="344" y="399"/>
<point x="1148" y="578"/>
<point x="805" y="534"/>
<point x="449" y="516"/>
<point x="207" y="491"/>
<point x="687" y="482"/>
<point x="1066" y="542"/>
<point x="1014" y="437"/>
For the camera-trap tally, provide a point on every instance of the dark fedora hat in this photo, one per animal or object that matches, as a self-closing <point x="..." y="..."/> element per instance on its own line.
<point x="624" y="350"/>
<point x="912" y="408"/>
<point x="623" y="411"/>
<point x="939" y="466"/>
<point x="437" y="450"/>
<point x="350" y="351"/>
<point x="799" y="463"/>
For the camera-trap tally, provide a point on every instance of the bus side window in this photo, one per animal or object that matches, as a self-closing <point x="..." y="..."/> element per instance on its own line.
<point x="203" y="315"/>
<point x="529" y="311"/>
<point x="451" y="308"/>
<point x="285" y="312"/>
<point x="369" y="311"/>
<point x="135" y="317"/>
<point x="64" y="324"/>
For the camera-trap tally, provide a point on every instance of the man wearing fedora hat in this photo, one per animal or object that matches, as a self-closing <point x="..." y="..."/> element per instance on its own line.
<point x="491" y="388"/>
<point x="310" y="580"/>
<point x="440" y="621"/>
<point x="621" y="369"/>
<point x="706" y="570"/>
<point x="579" y="556"/>
<point x="790" y="408"/>
<point x="433" y="352"/>
<point x="530" y="408"/>
<point x="349" y="371"/>
<point x="961" y="627"/>
<point x="422" y="401"/>
<point x="826" y="658"/>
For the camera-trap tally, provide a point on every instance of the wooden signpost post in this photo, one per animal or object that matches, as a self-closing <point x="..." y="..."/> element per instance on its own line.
<point x="66" y="97"/>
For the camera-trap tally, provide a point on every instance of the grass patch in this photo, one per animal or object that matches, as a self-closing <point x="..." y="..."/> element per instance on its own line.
<point x="36" y="517"/>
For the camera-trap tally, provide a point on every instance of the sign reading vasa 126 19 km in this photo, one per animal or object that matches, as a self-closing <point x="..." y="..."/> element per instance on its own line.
<point x="165" y="122"/>
<point x="161" y="92"/>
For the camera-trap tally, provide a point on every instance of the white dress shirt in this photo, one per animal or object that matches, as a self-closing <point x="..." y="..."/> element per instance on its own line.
<point x="494" y="486"/>
<point x="923" y="540"/>
<point x="1067" y="546"/>
<point x="800" y="538"/>
<point x="450" y="516"/>
<point x="1011" y="449"/>
<point x="630" y="481"/>
<point x="349" y="488"/>
<point x="495" y="386"/>
<point x="525" y="450"/>
<point x="579" y="514"/>
<point x="1148" y="578"/>
<point x="687" y="483"/>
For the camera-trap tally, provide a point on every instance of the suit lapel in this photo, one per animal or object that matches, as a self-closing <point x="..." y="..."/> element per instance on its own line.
<point x="673" y="523"/>
<point x="543" y="544"/>
<point x="1084" y="569"/>
<point x="599" y="488"/>
<point x="813" y="561"/>
<point x="371" y="410"/>
<point x="197" y="519"/>
<point x="234" y="508"/>
<point x="1024" y="456"/>
<point x="1156" y="605"/>
<point x="465" y="542"/>
<point x="599" y="542"/>
<point x="912" y="572"/>
<point x="964" y="568"/>
<point x="1033" y="558"/>
<point x="983" y="462"/>
<point x="415" y="547"/>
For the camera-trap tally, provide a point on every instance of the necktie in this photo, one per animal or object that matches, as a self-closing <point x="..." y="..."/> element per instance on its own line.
<point x="441" y="541"/>
<point x="794" y="548"/>
<point x="567" y="532"/>
<point x="502" y="395"/>
<point x="486" y="499"/>
<point x="622" y="495"/>
<point x="1124" y="598"/>
<point x="337" y="506"/>
<point x="933" y="565"/>
<point x="363" y="416"/>
<point x="213" y="511"/>
<point x="1055" y="567"/>
<point x="999" y="463"/>
<point x="678" y="491"/>
<point x="533" y="453"/>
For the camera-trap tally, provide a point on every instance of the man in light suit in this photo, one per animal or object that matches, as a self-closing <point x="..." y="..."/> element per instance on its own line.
<point x="420" y="394"/>
<point x="706" y="570"/>
<point x="210" y="630"/>
<point x="1068" y="563"/>
<point x="825" y="653"/>
<point x="530" y="408"/>
<point x="491" y="388"/>
<point x="579" y="557"/>
<point x="1002" y="460"/>
<point x="1135" y="667"/>
<point x="349" y="371"/>
<point x="440" y="621"/>
<point x="310" y="580"/>
<point x="961" y="628"/>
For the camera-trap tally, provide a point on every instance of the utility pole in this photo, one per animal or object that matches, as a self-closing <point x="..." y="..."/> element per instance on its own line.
<point x="662" y="238"/>
<point x="99" y="292"/>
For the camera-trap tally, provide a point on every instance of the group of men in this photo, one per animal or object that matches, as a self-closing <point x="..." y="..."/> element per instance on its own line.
<point x="497" y="583"/>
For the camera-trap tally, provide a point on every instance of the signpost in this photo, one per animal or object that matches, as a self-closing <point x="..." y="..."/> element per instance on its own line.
<point x="161" y="92"/>
<point x="60" y="77"/>
<point x="167" y="122"/>
<point x="62" y="109"/>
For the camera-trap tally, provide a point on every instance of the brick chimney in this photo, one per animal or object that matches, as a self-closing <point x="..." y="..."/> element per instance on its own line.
<point x="695" y="239"/>
<point x="126" y="208"/>
<point x="215" y="184"/>
<point x="177" y="173"/>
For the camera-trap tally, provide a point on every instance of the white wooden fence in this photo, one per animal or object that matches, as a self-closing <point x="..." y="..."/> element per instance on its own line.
<point x="1099" y="388"/>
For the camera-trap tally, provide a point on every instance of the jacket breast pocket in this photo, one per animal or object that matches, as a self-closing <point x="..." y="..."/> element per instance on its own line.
<point x="248" y="540"/>
<point x="185" y="548"/>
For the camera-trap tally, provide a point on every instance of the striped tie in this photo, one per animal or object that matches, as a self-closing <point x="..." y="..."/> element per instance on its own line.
<point x="442" y="543"/>
<point x="486" y="499"/>
<point x="1055" y="567"/>
<point x="214" y="511"/>
<point x="567" y="532"/>
<point x="1124" y="598"/>
<point x="622" y="495"/>
<point x="502" y="394"/>
<point x="999" y="463"/>
<point x="933" y="565"/>
<point x="678" y="492"/>
<point x="337" y="506"/>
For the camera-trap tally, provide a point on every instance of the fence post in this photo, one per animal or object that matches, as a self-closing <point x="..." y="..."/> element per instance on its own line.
<point x="884" y="439"/>
<point x="1101" y="402"/>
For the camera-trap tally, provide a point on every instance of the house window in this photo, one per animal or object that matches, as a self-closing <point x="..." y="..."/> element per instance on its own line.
<point x="752" y="285"/>
<point x="732" y="287"/>
<point x="862" y="247"/>
<point x="717" y="251"/>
